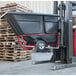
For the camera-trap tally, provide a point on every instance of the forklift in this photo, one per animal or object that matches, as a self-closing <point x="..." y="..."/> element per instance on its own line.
<point x="52" y="35"/>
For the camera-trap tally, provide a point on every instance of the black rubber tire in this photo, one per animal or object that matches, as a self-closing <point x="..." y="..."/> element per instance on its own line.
<point x="40" y="46"/>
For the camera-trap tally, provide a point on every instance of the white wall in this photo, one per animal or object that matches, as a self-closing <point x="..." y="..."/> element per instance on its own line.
<point x="36" y="6"/>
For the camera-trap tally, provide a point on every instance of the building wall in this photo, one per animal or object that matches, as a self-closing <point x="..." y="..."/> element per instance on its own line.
<point x="36" y="6"/>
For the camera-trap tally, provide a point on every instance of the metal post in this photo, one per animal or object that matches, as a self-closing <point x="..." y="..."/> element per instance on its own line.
<point x="55" y="11"/>
<point x="68" y="32"/>
<point x="62" y="16"/>
<point x="55" y="7"/>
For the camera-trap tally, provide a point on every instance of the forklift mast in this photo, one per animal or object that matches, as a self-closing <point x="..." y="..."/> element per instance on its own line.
<point x="65" y="26"/>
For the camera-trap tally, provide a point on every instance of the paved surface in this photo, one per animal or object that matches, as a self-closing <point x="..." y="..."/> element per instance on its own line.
<point x="26" y="68"/>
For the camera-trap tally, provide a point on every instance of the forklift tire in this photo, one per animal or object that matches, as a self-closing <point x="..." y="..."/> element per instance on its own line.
<point x="40" y="46"/>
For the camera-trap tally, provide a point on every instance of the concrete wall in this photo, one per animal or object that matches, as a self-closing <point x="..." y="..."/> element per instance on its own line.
<point x="36" y="6"/>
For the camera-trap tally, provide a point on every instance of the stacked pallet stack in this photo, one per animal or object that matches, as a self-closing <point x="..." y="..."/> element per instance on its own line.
<point x="14" y="7"/>
<point x="9" y="47"/>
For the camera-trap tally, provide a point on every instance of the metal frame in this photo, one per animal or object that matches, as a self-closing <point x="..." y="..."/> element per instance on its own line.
<point x="31" y="46"/>
<point x="65" y="12"/>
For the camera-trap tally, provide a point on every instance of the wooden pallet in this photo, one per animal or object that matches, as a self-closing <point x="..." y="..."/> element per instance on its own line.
<point x="14" y="7"/>
<point x="10" y="50"/>
<point x="14" y="57"/>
